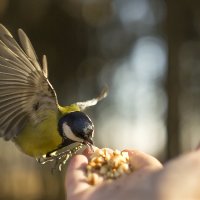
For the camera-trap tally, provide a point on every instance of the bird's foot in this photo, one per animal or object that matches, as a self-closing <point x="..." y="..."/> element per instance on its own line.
<point x="60" y="158"/>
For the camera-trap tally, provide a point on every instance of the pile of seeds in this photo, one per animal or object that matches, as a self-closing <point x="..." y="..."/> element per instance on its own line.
<point x="104" y="164"/>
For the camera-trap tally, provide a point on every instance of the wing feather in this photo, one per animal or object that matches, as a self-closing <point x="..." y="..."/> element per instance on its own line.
<point x="8" y="116"/>
<point x="12" y="81"/>
<point x="9" y="101"/>
<point x="25" y="91"/>
<point x="16" y="123"/>
<point x="45" y="66"/>
<point x="10" y="63"/>
<point x="14" y="93"/>
<point x="28" y="48"/>
<point x="17" y="117"/>
<point x="4" y="68"/>
<point x="13" y="46"/>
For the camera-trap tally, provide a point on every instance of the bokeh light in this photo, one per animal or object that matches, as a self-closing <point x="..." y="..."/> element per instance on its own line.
<point x="136" y="116"/>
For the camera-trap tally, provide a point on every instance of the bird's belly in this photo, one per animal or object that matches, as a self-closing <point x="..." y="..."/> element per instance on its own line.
<point x="39" y="140"/>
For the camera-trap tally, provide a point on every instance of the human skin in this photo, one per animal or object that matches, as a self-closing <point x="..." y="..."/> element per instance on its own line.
<point x="179" y="179"/>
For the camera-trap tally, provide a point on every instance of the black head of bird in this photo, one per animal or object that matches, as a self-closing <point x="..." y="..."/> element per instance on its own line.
<point x="76" y="126"/>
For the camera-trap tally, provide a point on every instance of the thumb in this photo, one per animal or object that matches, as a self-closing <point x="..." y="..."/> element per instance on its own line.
<point x="75" y="177"/>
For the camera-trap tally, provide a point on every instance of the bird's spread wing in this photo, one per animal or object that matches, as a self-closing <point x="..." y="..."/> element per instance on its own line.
<point x="25" y="92"/>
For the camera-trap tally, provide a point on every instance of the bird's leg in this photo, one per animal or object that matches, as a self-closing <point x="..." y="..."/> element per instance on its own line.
<point x="59" y="162"/>
<point x="64" y="157"/>
<point x="60" y="157"/>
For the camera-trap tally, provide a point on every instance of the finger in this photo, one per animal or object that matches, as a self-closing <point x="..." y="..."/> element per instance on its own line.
<point x="141" y="160"/>
<point x="75" y="178"/>
<point x="88" y="151"/>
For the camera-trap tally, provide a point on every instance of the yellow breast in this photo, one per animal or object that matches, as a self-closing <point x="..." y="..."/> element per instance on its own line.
<point x="36" y="140"/>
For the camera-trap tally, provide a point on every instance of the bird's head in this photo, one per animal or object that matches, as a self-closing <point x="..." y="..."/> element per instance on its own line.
<point x="76" y="126"/>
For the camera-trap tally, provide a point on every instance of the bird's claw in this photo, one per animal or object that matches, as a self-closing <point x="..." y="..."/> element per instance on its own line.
<point x="60" y="158"/>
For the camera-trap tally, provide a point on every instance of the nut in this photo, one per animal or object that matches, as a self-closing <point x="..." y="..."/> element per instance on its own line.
<point x="104" y="165"/>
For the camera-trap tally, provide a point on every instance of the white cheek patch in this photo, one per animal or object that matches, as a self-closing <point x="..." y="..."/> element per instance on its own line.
<point x="69" y="134"/>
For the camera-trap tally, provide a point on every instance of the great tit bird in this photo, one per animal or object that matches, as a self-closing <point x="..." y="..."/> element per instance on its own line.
<point x="30" y="115"/>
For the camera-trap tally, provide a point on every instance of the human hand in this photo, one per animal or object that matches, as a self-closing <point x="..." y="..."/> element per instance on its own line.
<point x="179" y="179"/>
<point x="125" y="187"/>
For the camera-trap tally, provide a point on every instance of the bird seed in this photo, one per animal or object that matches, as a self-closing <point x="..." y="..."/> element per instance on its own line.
<point x="106" y="165"/>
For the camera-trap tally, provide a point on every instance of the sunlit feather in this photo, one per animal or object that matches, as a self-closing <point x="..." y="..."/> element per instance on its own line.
<point x="23" y="84"/>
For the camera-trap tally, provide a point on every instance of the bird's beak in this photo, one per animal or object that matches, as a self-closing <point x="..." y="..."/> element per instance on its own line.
<point x="91" y="141"/>
<point x="88" y="142"/>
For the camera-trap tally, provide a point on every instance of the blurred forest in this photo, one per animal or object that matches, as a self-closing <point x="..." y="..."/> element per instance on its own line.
<point x="146" y="51"/>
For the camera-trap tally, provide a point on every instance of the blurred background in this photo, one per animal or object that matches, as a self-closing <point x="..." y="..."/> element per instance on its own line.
<point x="146" y="51"/>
